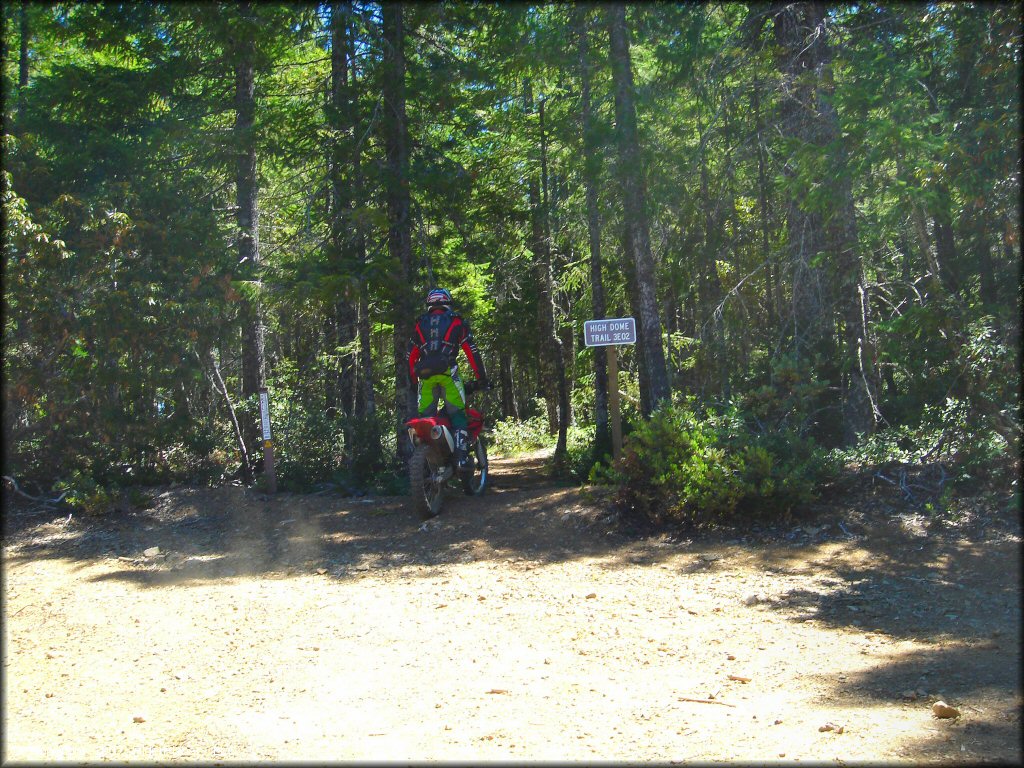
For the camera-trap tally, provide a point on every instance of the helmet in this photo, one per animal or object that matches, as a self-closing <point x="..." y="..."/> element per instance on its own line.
<point x="439" y="297"/>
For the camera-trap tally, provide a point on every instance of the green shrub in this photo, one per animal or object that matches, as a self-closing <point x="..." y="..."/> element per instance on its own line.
<point x="688" y="468"/>
<point x="368" y="461"/>
<point x="785" y="471"/>
<point x="310" y="448"/>
<point x="790" y="399"/>
<point x="579" y="449"/>
<point x="83" y="494"/>
<point x="510" y="437"/>
<point x="954" y="435"/>
<point x="308" y="445"/>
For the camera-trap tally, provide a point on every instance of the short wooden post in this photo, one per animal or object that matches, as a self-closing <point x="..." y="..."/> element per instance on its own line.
<point x="613" y="400"/>
<point x="268" y="445"/>
<point x="610" y="332"/>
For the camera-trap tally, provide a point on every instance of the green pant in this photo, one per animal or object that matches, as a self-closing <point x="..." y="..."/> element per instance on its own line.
<point x="450" y="390"/>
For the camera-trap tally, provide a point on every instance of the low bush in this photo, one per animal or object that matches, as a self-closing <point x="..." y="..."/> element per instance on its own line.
<point x="511" y="436"/>
<point x="690" y="468"/>
<point x="580" y="456"/>
<point x="308" y="446"/>
<point x="82" y="494"/>
<point x="973" y="453"/>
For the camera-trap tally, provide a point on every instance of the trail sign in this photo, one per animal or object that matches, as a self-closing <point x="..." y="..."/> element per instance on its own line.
<point x="614" y="330"/>
<point x="265" y="414"/>
<point x="268" y="445"/>
<point x="609" y="333"/>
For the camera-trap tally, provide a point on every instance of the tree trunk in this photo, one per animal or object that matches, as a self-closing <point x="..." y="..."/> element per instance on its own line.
<point x="559" y="351"/>
<point x="541" y="256"/>
<point x="812" y="118"/>
<point x="809" y="321"/>
<point x="366" y="404"/>
<point x="506" y="384"/>
<point x="928" y="258"/>
<point x="398" y="206"/>
<point x="509" y="408"/>
<point x="591" y="172"/>
<point x="24" y="31"/>
<point x="247" y="217"/>
<point x="771" y="279"/>
<point x="728" y="248"/>
<point x="1011" y="292"/>
<point x="551" y="360"/>
<point x="567" y="337"/>
<point x="654" y="385"/>
<point x="924" y="244"/>
<point x="982" y="248"/>
<point x="860" y="414"/>
<point x="941" y="212"/>
<point x="709" y="287"/>
<point x="945" y="242"/>
<point x="23" y="55"/>
<point x="341" y="245"/>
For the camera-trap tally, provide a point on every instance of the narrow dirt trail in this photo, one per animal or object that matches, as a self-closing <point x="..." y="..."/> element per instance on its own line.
<point x="519" y="626"/>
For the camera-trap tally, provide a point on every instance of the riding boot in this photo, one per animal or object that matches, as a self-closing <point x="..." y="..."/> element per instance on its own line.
<point x="461" y="449"/>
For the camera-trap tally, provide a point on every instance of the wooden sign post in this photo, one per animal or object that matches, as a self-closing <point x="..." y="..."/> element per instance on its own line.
<point x="609" y="334"/>
<point x="613" y="399"/>
<point x="268" y="445"/>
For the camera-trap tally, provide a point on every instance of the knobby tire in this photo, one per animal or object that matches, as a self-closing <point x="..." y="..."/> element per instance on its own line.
<point x="476" y="484"/>
<point x="426" y="497"/>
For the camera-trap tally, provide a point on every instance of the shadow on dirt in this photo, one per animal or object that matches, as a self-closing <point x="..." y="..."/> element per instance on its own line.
<point x="213" y="533"/>
<point x="956" y="595"/>
<point x="862" y="574"/>
<point x="985" y="672"/>
<point x="906" y="584"/>
<point x="892" y="587"/>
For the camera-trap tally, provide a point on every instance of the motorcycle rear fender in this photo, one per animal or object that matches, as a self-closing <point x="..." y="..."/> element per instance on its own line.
<point x="420" y="429"/>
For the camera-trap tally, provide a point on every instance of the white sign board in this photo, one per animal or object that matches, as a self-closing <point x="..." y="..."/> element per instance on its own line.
<point x="265" y="414"/>
<point x="615" y="330"/>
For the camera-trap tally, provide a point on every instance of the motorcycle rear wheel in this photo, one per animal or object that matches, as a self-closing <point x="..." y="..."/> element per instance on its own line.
<point x="476" y="483"/>
<point x="427" y="494"/>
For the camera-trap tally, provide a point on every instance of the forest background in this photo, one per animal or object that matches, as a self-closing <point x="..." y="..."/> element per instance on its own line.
<point x="812" y="210"/>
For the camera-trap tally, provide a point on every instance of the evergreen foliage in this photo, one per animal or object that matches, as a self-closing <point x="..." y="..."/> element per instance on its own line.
<point x="692" y="468"/>
<point x="818" y="208"/>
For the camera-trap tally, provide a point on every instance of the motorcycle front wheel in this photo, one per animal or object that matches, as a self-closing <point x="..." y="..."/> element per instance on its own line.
<point x="427" y="492"/>
<point x="476" y="484"/>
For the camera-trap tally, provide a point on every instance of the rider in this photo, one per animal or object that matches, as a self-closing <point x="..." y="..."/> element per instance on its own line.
<point x="433" y="353"/>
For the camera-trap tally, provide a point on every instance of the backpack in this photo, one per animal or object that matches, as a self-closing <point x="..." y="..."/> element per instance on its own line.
<point x="437" y="350"/>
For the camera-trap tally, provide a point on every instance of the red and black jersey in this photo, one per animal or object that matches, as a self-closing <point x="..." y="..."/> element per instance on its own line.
<point x="435" y="343"/>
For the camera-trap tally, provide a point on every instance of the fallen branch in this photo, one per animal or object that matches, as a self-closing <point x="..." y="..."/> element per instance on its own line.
<point x="705" y="701"/>
<point x="13" y="484"/>
<point x="903" y="485"/>
<point x="936" y="449"/>
<point x="880" y="476"/>
<point x="214" y="369"/>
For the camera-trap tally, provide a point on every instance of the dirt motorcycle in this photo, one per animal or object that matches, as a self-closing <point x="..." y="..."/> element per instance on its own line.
<point x="432" y="461"/>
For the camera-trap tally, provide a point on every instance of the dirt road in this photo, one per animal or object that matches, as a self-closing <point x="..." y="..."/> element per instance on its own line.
<point x="520" y="626"/>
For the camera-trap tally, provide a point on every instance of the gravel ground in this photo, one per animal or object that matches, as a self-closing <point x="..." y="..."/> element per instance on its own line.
<point x="524" y="625"/>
